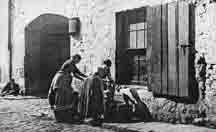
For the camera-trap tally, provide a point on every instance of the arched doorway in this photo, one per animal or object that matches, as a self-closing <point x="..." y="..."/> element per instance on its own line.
<point x="47" y="46"/>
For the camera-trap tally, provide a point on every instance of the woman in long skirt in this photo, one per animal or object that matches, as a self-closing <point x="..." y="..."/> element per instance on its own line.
<point x="62" y="98"/>
<point x="92" y="97"/>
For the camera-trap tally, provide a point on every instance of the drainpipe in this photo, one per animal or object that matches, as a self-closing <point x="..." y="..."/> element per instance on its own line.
<point x="10" y="34"/>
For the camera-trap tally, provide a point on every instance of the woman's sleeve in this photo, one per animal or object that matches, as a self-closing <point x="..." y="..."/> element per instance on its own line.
<point x="75" y="70"/>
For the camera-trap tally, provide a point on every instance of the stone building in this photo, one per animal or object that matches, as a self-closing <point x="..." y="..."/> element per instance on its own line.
<point x="3" y="43"/>
<point x="165" y="47"/>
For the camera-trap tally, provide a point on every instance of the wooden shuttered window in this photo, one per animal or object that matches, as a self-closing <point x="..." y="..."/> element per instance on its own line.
<point x="170" y="44"/>
<point x="131" y="38"/>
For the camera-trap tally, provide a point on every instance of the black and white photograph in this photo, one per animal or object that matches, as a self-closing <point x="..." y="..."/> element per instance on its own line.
<point x="108" y="66"/>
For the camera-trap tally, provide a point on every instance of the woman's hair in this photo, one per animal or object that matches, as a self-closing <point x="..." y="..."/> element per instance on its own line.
<point x="107" y="62"/>
<point x="76" y="56"/>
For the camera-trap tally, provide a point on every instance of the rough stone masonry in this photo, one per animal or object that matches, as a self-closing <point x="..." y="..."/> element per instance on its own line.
<point x="97" y="42"/>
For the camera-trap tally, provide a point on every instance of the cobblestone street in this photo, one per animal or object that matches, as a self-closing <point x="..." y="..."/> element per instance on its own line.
<point x="31" y="114"/>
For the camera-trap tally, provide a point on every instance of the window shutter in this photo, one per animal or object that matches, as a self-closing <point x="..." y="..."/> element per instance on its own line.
<point x="172" y="50"/>
<point x="164" y="46"/>
<point x="183" y="40"/>
<point x="149" y="46"/>
<point x="186" y="37"/>
<point x="154" y="48"/>
<point x="122" y="64"/>
<point x="170" y="42"/>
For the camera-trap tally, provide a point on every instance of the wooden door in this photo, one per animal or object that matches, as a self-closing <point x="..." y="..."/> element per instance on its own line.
<point x="169" y="32"/>
<point x="47" y="46"/>
<point x="54" y="50"/>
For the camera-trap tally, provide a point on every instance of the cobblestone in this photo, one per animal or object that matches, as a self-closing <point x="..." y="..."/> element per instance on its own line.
<point x="33" y="115"/>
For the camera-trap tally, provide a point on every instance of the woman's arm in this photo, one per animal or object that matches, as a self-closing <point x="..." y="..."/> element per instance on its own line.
<point x="81" y="74"/>
<point x="78" y="76"/>
<point x="77" y="73"/>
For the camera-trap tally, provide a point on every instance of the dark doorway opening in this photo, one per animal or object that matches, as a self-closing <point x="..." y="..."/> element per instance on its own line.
<point x="47" y="46"/>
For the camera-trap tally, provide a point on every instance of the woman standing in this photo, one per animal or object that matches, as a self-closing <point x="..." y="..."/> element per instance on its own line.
<point x="62" y="98"/>
<point x="109" y="85"/>
<point x="92" y="97"/>
<point x="107" y="65"/>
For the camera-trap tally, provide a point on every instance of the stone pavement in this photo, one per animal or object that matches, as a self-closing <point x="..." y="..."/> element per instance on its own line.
<point x="31" y="114"/>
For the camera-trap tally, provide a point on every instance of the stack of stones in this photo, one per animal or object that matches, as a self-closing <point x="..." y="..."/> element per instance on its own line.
<point x="170" y="111"/>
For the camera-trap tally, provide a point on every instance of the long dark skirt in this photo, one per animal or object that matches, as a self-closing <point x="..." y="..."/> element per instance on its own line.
<point x="92" y="99"/>
<point x="62" y="97"/>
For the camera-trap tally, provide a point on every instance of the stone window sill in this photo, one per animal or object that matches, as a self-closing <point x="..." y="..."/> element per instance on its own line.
<point x="135" y="86"/>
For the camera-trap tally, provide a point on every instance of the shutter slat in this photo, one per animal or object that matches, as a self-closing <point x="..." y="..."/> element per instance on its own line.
<point x="149" y="45"/>
<point x="164" y="50"/>
<point x="183" y="52"/>
<point x="172" y="52"/>
<point x="156" y="50"/>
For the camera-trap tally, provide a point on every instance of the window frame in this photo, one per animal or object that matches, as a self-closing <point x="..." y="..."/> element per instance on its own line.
<point x="132" y="52"/>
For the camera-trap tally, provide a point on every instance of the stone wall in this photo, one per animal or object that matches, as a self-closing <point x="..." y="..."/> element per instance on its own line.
<point x="4" y="54"/>
<point x="206" y="47"/>
<point x="97" y="39"/>
<point x="98" y="29"/>
<point x="163" y="109"/>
